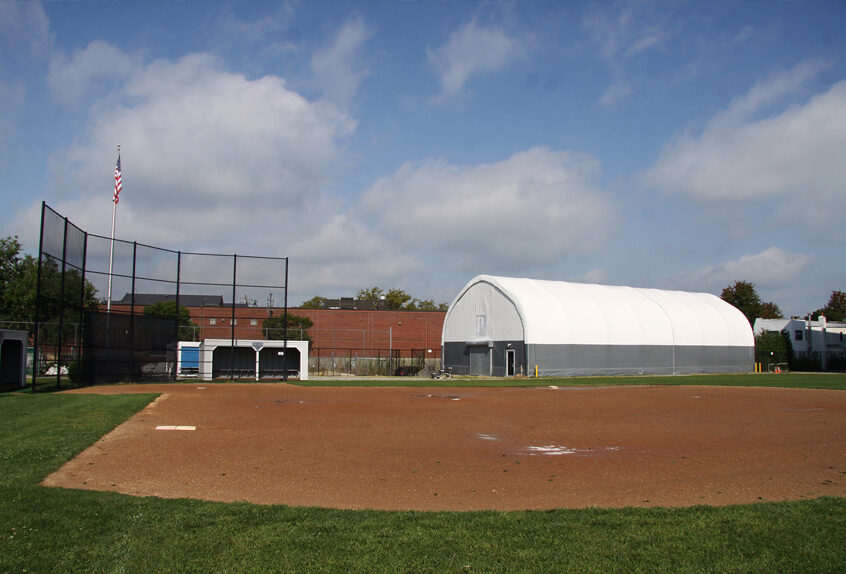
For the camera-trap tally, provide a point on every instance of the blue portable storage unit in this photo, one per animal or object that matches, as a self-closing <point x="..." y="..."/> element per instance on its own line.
<point x="188" y="364"/>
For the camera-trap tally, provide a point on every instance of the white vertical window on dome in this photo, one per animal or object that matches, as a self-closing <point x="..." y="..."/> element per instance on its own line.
<point x="481" y="325"/>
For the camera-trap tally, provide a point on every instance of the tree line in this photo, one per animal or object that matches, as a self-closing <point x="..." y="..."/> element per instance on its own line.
<point x="19" y="273"/>
<point x="390" y="300"/>
<point x="744" y="296"/>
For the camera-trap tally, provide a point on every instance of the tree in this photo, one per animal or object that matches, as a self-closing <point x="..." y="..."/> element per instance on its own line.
<point x="316" y="302"/>
<point x="835" y="310"/>
<point x="744" y="296"/>
<point x="60" y="296"/>
<point x="429" y="305"/>
<point x="274" y="328"/>
<point x="167" y="310"/>
<point x="372" y="295"/>
<point x="772" y="348"/>
<point x="770" y="310"/>
<point x="392" y="300"/>
<point x="396" y="299"/>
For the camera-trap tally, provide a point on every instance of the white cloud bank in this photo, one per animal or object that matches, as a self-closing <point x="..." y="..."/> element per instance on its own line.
<point x="70" y="78"/>
<point x="197" y="139"/>
<point x="338" y="68"/>
<point x="532" y="209"/>
<point x="472" y="50"/>
<point x="792" y="160"/>
<point x="772" y="268"/>
<point x="216" y="162"/>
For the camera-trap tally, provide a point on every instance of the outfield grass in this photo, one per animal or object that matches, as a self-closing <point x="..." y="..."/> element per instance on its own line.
<point x="57" y="530"/>
<point x="835" y="381"/>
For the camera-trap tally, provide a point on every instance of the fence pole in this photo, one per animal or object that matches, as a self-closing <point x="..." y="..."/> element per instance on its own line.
<point x="232" y="322"/>
<point x="285" y="328"/>
<point x="80" y="357"/>
<point x="38" y="297"/>
<point x="173" y="372"/>
<point x="62" y="307"/>
<point x="132" y="312"/>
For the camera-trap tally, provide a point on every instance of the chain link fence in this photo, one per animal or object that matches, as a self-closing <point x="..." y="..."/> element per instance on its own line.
<point x="79" y="337"/>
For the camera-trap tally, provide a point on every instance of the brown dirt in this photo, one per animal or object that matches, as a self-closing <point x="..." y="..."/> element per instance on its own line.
<point x="462" y="449"/>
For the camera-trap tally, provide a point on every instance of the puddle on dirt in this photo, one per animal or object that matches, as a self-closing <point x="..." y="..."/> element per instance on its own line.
<point x="558" y="450"/>
<point x="280" y="402"/>
<point x="484" y="436"/>
<point x="444" y="397"/>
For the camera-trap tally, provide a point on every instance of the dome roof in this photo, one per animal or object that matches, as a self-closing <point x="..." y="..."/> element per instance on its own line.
<point x="563" y="313"/>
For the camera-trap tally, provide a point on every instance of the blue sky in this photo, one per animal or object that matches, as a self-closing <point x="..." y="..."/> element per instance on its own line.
<point x="417" y="144"/>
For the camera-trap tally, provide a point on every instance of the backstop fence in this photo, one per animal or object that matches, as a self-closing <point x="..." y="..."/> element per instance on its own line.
<point x="134" y="339"/>
<point x="160" y="304"/>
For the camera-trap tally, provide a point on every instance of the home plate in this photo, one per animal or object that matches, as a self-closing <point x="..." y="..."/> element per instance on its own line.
<point x="175" y="427"/>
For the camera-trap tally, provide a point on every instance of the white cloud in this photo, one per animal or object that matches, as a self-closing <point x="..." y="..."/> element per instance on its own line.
<point x="12" y="101"/>
<point x="473" y="50"/>
<point x="531" y="209"/>
<point x="595" y="276"/>
<point x="343" y="255"/>
<point x="616" y="92"/>
<point x="793" y="160"/>
<point x="211" y="160"/>
<point x="622" y="34"/>
<point x="771" y="270"/>
<point x="24" y="29"/>
<point x="338" y="69"/>
<point x="70" y="78"/>
<point x="625" y="32"/>
<point x="195" y="135"/>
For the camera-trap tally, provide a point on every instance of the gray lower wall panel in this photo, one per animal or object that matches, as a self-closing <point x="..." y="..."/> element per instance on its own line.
<point x="587" y="360"/>
<point x="581" y="360"/>
<point x="456" y="356"/>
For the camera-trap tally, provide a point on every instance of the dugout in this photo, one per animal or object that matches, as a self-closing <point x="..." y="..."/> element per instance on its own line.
<point x="258" y="359"/>
<point x="504" y="326"/>
<point x="13" y="358"/>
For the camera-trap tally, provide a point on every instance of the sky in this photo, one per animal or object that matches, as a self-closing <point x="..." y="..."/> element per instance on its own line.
<point x="417" y="144"/>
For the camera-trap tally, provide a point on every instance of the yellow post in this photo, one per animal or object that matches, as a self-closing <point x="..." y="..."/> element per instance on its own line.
<point x="536" y="371"/>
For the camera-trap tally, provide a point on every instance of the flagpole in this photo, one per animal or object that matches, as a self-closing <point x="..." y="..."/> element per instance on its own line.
<point x="112" y="243"/>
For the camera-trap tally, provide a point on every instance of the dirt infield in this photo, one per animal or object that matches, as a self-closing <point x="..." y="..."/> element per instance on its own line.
<point x="463" y="449"/>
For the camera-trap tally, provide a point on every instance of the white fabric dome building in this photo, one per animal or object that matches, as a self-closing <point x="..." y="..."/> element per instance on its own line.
<point x="503" y="326"/>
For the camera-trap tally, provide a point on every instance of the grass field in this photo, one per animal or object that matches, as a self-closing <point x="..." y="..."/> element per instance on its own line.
<point x="834" y="381"/>
<point x="55" y="530"/>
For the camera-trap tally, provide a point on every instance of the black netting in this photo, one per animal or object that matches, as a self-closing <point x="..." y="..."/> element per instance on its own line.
<point x="110" y="310"/>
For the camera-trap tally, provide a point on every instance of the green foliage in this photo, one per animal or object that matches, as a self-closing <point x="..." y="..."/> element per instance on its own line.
<point x="398" y="300"/>
<point x="274" y="328"/>
<point x="58" y="530"/>
<point x="167" y="310"/>
<point x="770" y="310"/>
<point x="831" y="381"/>
<point x="835" y="310"/>
<point x="18" y="290"/>
<point x="372" y="295"/>
<point x="316" y="302"/>
<point x="391" y="300"/>
<point x="744" y="296"/>
<point x="772" y="348"/>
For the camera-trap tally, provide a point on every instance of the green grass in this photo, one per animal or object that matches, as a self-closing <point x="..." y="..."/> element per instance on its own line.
<point x="834" y="381"/>
<point x="57" y="530"/>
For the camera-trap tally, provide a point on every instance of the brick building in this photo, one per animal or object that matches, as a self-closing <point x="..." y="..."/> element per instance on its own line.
<point x="342" y="330"/>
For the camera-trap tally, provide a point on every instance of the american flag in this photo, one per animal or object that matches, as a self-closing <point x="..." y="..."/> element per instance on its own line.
<point x="118" y="184"/>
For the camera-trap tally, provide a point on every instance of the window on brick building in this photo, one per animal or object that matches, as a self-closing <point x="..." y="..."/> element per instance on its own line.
<point x="212" y="321"/>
